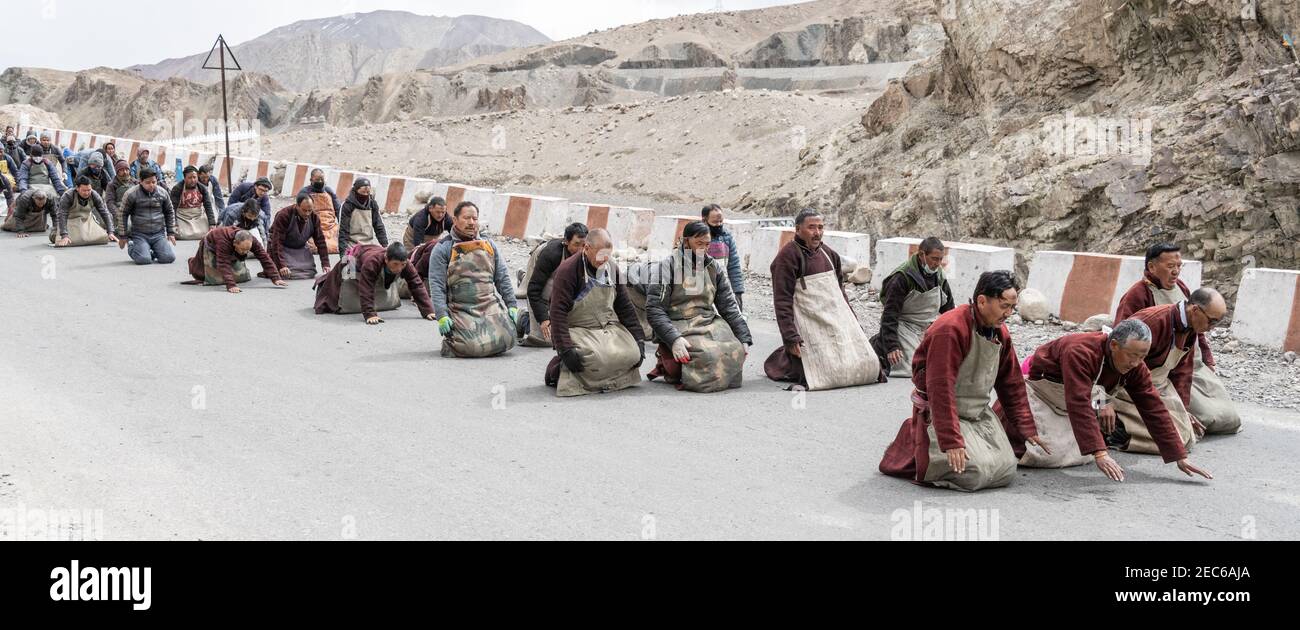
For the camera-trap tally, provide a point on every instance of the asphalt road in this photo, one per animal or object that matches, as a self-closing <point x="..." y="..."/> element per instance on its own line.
<point x="185" y="412"/>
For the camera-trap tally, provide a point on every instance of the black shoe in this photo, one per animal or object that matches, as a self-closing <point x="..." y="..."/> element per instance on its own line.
<point x="1119" y="438"/>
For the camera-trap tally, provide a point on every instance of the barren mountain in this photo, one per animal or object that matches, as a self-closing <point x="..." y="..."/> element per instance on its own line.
<point x="825" y="33"/>
<point x="120" y="102"/>
<point x="347" y="50"/>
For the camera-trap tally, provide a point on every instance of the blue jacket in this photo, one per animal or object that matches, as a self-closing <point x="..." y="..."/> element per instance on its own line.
<point x="153" y="166"/>
<point x="24" y="172"/>
<point x="733" y="259"/>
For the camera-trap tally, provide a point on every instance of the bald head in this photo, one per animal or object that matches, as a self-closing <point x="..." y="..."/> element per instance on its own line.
<point x="599" y="238"/>
<point x="598" y="247"/>
<point x="1206" y="308"/>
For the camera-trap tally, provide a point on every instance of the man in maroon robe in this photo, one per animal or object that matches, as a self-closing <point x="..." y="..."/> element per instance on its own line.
<point x="1084" y="360"/>
<point x="229" y="244"/>
<point x="1164" y="263"/>
<point x="292" y="228"/>
<point x="939" y="394"/>
<point x="806" y="255"/>
<point x="374" y="267"/>
<point x="1177" y="327"/>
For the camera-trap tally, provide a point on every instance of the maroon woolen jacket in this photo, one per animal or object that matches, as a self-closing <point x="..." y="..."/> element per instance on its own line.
<point x="570" y="278"/>
<point x="1075" y="361"/>
<point x="280" y="227"/>
<point x="221" y="240"/>
<point x="1167" y="329"/>
<point x="939" y="358"/>
<point x="371" y="269"/>
<point x="1139" y="297"/>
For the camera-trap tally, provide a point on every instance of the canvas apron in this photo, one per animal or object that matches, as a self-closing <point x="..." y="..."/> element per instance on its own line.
<point x="991" y="462"/>
<point x="636" y="277"/>
<point x="534" y="338"/>
<point x="1210" y="401"/>
<point x="1140" y="437"/>
<point x="39" y="176"/>
<point x="1047" y="402"/>
<point x="35" y="221"/>
<point x="835" y="351"/>
<point x="637" y="298"/>
<point x="294" y="252"/>
<point x="83" y="224"/>
<point x="717" y="357"/>
<point x="481" y="325"/>
<point x="329" y="222"/>
<point x="920" y="309"/>
<point x="362" y="231"/>
<point x="212" y="275"/>
<point x="609" y="352"/>
<point x="191" y="221"/>
<point x="385" y="298"/>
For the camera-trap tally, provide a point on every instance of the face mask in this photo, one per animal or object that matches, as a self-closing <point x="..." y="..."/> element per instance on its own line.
<point x="931" y="270"/>
<point x="715" y="230"/>
<point x="318" y="186"/>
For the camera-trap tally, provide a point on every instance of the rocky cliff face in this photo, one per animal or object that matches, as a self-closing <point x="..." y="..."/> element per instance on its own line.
<point x="119" y="102"/>
<point x="1095" y="125"/>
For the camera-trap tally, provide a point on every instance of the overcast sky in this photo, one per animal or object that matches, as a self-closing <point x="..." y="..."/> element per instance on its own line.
<point x="80" y="34"/>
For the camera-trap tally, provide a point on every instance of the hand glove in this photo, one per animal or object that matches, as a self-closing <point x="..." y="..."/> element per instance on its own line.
<point x="642" y="361"/>
<point x="681" y="350"/>
<point x="514" y="314"/>
<point x="444" y="326"/>
<point x="571" y="360"/>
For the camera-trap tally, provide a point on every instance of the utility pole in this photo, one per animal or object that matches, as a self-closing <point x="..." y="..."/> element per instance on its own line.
<point x="221" y="49"/>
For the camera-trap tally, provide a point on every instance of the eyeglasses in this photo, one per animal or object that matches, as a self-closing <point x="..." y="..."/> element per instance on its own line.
<point x="1211" y="321"/>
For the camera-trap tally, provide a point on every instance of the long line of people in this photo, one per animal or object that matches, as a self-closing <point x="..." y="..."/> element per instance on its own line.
<point x="978" y="412"/>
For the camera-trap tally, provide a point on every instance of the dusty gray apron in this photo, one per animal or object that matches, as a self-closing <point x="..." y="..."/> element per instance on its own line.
<point x="609" y="352"/>
<point x="920" y="309"/>
<point x="835" y="352"/>
<point x="534" y="338"/>
<point x="361" y="231"/>
<point x="39" y="176"/>
<point x="386" y="298"/>
<point x="1047" y="402"/>
<point x="1210" y="401"/>
<point x="1140" y="437"/>
<point x="35" y="221"/>
<point x="212" y="275"/>
<point x="717" y="357"/>
<point x="84" y="226"/>
<point x="991" y="463"/>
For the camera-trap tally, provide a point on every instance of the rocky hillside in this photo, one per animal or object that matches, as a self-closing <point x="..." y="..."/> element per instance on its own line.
<point x="1096" y="125"/>
<point x="120" y="102"/>
<point x="820" y="33"/>
<point x="347" y="50"/>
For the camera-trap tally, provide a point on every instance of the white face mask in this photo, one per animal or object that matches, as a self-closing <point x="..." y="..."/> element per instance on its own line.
<point x="931" y="270"/>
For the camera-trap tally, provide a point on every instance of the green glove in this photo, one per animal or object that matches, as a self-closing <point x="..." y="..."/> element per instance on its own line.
<point x="444" y="326"/>
<point x="514" y="314"/>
